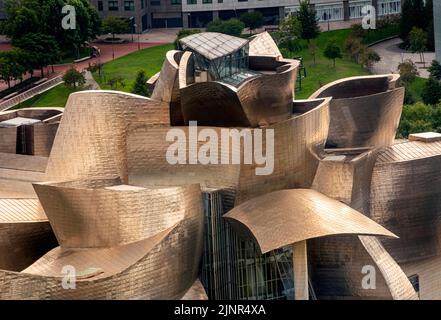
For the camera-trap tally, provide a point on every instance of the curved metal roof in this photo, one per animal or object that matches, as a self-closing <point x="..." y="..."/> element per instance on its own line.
<point x="213" y="45"/>
<point x="285" y="217"/>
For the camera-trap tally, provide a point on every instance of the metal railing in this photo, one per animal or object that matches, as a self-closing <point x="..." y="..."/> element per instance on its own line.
<point x="5" y="105"/>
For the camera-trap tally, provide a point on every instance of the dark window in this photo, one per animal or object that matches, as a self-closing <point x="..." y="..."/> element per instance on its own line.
<point x="191" y="1"/>
<point x="142" y="4"/>
<point x="220" y="1"/>
<point x="415" y="281"/>
<point x="113" y="6"/>
<point x="129" y="5"/>
<point x="242" y="0"/>
<point x="207" y="1"/>
<point x="176" y="1"/>
<point x="155" y="3"/>
<point x="100" y="6"/>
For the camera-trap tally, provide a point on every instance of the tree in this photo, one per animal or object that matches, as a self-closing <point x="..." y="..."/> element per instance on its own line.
<point x="252" y="20"/>
<point x="289" y="34"/>
<point x="408" y="72"/>
<point x="5" y="71"/>
<point x="417" y="42"/>
<point x="368" y="57"/>
<point x="73" y="78"/>
<point x="140" y="85"/>
<point x="308" y="20"/>
<point x="26" y="16"/>
<point x="416" y="118"/>
<point x="435" y="70"/>
<point x="332" y="51"/>
<point x="431" y="93"/>
<point x="41" y="49"/>
<point x="232" y="27"/>
<point x="353" y="47"/>
<point x="412" y="15"/>
<point x="115" y="25"/>
<point x="313" y="49"/>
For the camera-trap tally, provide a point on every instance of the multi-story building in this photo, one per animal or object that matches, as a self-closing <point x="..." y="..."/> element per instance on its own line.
<point x="197" y="13"/>
<point x="144" y="14"/>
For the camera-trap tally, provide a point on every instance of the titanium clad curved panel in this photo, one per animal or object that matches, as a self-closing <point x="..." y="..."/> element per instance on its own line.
<point x="167" y="271"/>
<point x="369" y="121"/>
<point x="108" y="213"/>
<point x="298" y="142"/>
<point x="406" y="199"/>
<point x="267" y="98"/>
<point x="92" y="134"/>
<point x="284" y="217"/>
<point x="353" y="87"/>
<point x="212" y="104"/>
<point x="167" y="86"/>
<point x="262" y="44"/>
<point x="22" y="243"/>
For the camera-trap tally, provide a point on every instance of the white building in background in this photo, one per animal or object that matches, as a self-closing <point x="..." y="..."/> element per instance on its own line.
<point x="197" y="13"/>
<point x="437" y="24"/>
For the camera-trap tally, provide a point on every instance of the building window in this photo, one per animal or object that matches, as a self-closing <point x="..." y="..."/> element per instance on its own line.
<point x="142" y="4"/>
<point x="176" y="2"/>
<point x="155" y="3"/>
<point x="242" y="0"/>
<point x="386" y="7"/>
<point x="113" y="6"/>
<point x="191" y="1"/>
<point x="220" y="1"/>
<point x="356" y="7"/>
<point x="415" y="281"/>
<point x="129" y="5"/>
<point x="207" y="1"/>
<point x="329" y="12"/>
<point x="100" y="6"/>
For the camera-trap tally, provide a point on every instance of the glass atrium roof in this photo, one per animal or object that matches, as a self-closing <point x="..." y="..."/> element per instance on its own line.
<point x="213" y="45"/>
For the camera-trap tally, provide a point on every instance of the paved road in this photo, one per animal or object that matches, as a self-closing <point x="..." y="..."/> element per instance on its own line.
<point x="391" y="56"/>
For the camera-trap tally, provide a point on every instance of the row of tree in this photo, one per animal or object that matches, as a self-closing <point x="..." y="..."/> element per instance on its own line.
<point x="417" y="14"/>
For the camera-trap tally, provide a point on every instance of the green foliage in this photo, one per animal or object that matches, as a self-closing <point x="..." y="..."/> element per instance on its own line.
<point x="289" y="34"/>
<point x="41" y="49"/>
<point x="386" y="27"/>
<point x="308" y="20"/>
<point x="417" y="40"/>
<point x="140" y="86"/>
<point x="435" y="70"/>
<point x="417" y="14"/>
<point x="45" y="16"/>
<point x="252" y="20"/>
<point x="73" y="78"/>
<point x="408" y="72"/>
<point x="416" y="118"/>
<point x="353" y="47"/>
<point x="232" y="27"/>
<point x="149" y="59"/>
<point x="332" y="51"/>
<point x="114" y="25"/>
<point x="13" y="65"/>
<point x="431" y="93"/>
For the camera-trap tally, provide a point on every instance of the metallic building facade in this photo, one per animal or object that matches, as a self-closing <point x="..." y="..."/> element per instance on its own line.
<point x="135" y="225"/>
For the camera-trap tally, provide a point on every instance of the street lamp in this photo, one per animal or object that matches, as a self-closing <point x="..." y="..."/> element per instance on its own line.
<point x="139" y="45"/>
<point x="189" y="19"/>
<point x="131" y="19"/>
<point x="113" y="50"/>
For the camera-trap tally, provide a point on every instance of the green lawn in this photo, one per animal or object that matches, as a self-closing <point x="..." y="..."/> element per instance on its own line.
<point x="150" y="60"/>
<point x="55" y="97"/>
<point x="323" y="71"/>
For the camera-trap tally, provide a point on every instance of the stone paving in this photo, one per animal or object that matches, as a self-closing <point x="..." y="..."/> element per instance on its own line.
<point x="391" y="56"/>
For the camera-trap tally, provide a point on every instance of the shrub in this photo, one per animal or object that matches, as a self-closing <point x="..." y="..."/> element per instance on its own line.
<point x="73" y="78"/>
<point x="232" y="27"/>
<point x="431" y="93"/>
<point x="140" y="85"/>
